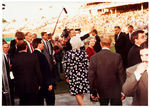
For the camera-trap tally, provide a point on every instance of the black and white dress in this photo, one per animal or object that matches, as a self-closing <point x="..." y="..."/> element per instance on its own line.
<point x="76" y="65"/>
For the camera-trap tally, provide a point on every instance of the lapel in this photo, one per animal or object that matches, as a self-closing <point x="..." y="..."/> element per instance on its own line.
<point x="45" y="47"/>
<point x="144" y="79"/>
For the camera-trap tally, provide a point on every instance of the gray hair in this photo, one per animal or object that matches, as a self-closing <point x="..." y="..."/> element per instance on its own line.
<point x="75" y="42"/>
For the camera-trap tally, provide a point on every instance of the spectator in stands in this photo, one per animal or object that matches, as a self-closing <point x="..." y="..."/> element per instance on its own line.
<point x="76" y="66"/>
<point x="138" y="37"/>
<point x="136" y="84"/>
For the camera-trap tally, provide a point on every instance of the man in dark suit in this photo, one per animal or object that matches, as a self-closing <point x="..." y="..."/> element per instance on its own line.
<point x="138" y="37"/>
<point x="97" y="47"/>
<point x="47" y="85"/>
<point x="121" y="44"/>
<point x="26" y="70"/>
<point x="48" y="52"/>
<point x="107" y="69"/>
<point x="130" y="31"/>
<point x="13" y="44"/>
<point x="136" y="84"/>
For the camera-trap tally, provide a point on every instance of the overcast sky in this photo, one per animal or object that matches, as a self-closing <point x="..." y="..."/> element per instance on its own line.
<point x="21" y="10"/>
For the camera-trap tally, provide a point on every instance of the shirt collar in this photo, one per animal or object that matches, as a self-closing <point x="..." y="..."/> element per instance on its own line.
<point x="119" y="34"/>
<point x="4" y="54"/>
<point x="38" y="49"/>
<point x="105" y="48"/>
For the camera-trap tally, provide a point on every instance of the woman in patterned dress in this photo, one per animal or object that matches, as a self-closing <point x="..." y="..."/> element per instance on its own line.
<point x="76" y="69"/>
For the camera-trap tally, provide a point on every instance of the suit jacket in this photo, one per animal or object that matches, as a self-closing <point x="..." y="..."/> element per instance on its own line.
<point x="97" y="46"/>
<point x="26" y="70"/>
<point x="7" y="68"/>
<point x="6" y="100"/>
<point x="130" y="44"/>
<point x="121" y="46"/>
<point x="107" y="68"/>
<point x="48" y="56"/>
<point x="134" y="56"/>
<point x="12" y="50"/>
<point x="137" y="89"/>
<point x="45" y="69"/>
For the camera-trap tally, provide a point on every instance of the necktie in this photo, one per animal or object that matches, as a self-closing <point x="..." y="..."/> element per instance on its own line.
<point x="48" y="47"/>
<point x="31" y="48"/>
<point x="7" y="58"/>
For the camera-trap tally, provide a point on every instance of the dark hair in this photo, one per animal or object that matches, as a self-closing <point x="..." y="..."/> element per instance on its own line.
<point x="130" y="26"/>
<point x="135" y="34"/>
<point x="35" y="42"/>
<point x="27" y="34"/>
<point x="4" y="42"/>
<point x="144" y="45"/>
<point x="65" y="33"/>
<point x="78" y="30"/>
<point x="42" y="33"/>
<point x="19" y="35"/>
<point x="56" y="47"/>
<point x="117" y="27"/>
<point x="21" y="45"/>
<point x="70" y="30"/>
<point x="95" y="31"/>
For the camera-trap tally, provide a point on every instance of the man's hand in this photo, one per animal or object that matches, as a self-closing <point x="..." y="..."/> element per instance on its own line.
<point x="122" y="96"/>
<point x="50" y="87"/>
<point x="39" y="87"/>
<point x="54" y="61"/>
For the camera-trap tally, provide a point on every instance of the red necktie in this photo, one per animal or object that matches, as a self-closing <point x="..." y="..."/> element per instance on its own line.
<point x="31" y="48"/>
<point x="7" y="58"/>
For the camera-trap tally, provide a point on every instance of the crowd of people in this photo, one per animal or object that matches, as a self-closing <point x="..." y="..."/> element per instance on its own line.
<point x="103" y="23"/>
<point x="31" y="67"/>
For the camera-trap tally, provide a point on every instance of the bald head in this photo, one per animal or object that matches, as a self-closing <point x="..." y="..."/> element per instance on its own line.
<point x="106" y="42"/>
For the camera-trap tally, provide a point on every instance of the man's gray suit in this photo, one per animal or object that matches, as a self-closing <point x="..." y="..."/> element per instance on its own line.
<point x="137" y="89"/>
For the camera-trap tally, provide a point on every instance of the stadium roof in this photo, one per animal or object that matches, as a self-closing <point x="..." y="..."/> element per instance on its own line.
<point x="104" y="5"/>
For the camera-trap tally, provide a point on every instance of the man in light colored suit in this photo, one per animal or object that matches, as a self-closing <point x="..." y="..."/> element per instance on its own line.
<point x="136" y="84"/>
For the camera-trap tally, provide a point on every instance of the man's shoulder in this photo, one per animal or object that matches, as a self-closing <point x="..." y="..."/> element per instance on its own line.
<point x="134" y="48"/>
<point x="123" y="33"/>
<point x="132" y="68"/>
